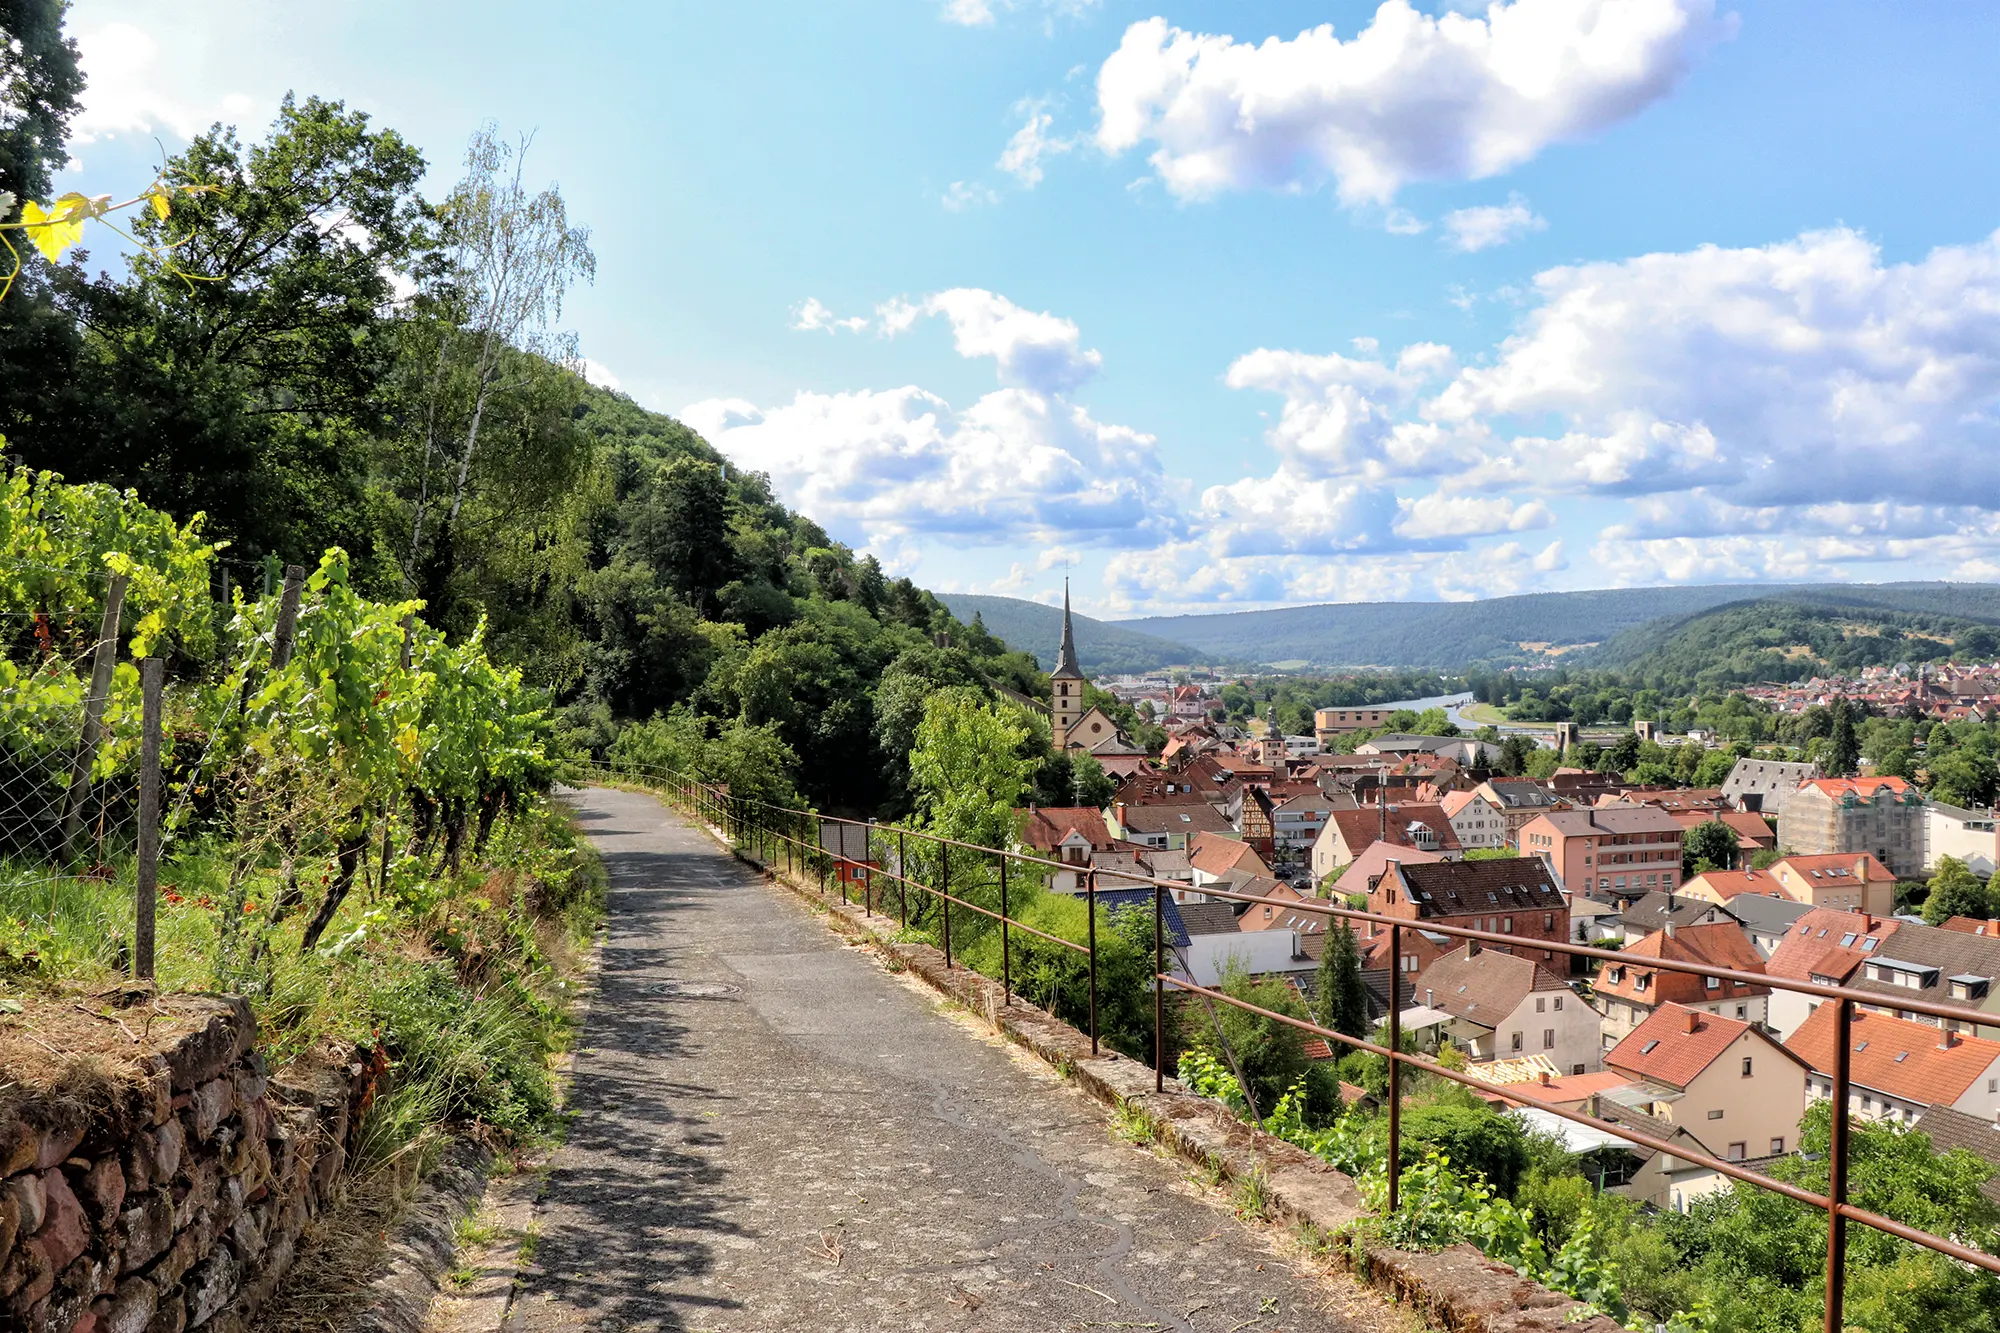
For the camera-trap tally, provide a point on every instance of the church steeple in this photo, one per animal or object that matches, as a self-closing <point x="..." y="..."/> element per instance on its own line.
<point x="1065" y="682"/>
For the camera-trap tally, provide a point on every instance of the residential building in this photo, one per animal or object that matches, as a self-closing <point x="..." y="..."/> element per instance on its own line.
<point x="1224" y="859"/>
<point x="1893" y="959"/>
<point x="1880" y="816"/>
<point x="1720" y="886"/>
<point x="1348" y="833"/>
<point x="1762" y="786"/>
<point x="1657" y="911"/>
<point x="1516" y="896"/>
<point x="1463" y="750"/>
<point x="1898" y="1069"/>
<point x="1967" y="835"/>
<point x="1845" y="882"/>
<point x="1329" y="724"/>
<point x="1753" y="833"/>
<point x="1726" y="1081"/>
<point x="1519" y="800"/>
<point x="1766" y="919"/>
<point x="1476" y="821"/>
<point x="1503" y="1006"/>
<point x="1168" y="827"/>
<point x="1629" y="991"/>
<point x="1361" y="874"/>
<point x="1296" y="822"/>
<point x="1610" y="850"/>
<point x="1077" y="836"/>
<point x="1951" y="1130"/>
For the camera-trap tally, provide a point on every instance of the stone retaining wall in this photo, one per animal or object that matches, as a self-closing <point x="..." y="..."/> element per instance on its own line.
<point x="174" y="1199"/>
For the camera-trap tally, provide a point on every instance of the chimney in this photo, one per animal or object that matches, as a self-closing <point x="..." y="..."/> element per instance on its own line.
<point x="1694" y="1020"/>
<point x="1867" y="924"/>
<point x="1382" y="812"/>
<point x="1472" y="948"/>
<point x="1670" y="927"/>
<point x="1545" y="1078"/>
<point x="1430" y="996"/>
<point x="1950" y="1039"/>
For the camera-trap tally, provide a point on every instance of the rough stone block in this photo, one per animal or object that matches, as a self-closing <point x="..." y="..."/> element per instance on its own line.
<point x="57" y="1145"/>
<point x="29" y="1276"/>
<point x="181" y="1255"/>
<point x="20" y="1145"/>
<point x="169" y="1148"/>
<point x="206" y="1053"/>
<point x="196" y="1193"/>
<point x="65" y="1232"/>
<point x="130" y="1309"/>
<point x="10" y="1223"/>
<point x="27" y="1191"/>
<point x="171" y="1317"/>
<point x="145" y="1230"/>
<point x="208" y="1106"/>
<point x="211" y="1285"/>
<point x="251" y="1084"/>
<point x="102" y="1189"/>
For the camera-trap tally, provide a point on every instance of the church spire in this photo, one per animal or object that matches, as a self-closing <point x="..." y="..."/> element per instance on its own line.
<point x="1067" y="667"/>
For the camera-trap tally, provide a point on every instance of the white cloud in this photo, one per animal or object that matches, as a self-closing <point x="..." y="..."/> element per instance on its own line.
<point x="1187" y="576"/>
<point x="961" y="195"/>
<point x="132" y="90"/>
<point x="981" y="13"/>
<point x="1402" y="222"/>
<point x="1806" y="372"/>
<point x="1038" y="351"/>
<point x="1340" y="416"/>
<point x="1472" y="229"/>
<point x="879" y="466"/>
<point x="809" y="316"/>
<point x="1411" y="97"/>
<point x="1435" y="516"/>
<point x="596" y="372"/>
<point x="1022" y="158"/>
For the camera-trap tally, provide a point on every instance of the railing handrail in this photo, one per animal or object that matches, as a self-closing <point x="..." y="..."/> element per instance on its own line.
<point x="1833" y="1202"/>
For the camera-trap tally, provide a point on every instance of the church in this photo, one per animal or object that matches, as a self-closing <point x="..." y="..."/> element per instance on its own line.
<point x="1076" y="725"/>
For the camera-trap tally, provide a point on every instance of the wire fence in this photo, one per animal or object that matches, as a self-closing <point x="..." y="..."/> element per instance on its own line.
<point x="902" y="867"/>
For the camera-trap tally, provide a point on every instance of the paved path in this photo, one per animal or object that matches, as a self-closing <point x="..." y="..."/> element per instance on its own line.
<point x="774" y="1133"/>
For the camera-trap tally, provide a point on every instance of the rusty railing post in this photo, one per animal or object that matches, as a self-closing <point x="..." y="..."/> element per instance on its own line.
<point x="1395" y="1064"/>
<point x="867" y="861"/>
<point x="944" y="898"/>
<point x="1836" y="1171"/>
<point x="1090" y="902"/>
<point x="152" y="675"/>
<point x="1006" y="958"/>
<point x="903" y="876"/>
<point x="1159" y="994"/>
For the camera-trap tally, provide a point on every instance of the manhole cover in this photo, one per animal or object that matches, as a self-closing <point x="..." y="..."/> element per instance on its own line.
<point x="694" y="990"/>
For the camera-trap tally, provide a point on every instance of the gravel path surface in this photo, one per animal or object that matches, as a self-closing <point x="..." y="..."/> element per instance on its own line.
<point x="775" y="1133"/>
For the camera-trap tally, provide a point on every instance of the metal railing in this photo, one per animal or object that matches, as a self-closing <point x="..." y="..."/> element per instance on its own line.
<point x="760" y="824"/>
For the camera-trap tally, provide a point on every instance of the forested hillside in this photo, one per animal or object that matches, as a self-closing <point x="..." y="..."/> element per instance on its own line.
<point x="1100" y="645"/>
<point x="314" y="355"/>
<point x="1502" y="631"/>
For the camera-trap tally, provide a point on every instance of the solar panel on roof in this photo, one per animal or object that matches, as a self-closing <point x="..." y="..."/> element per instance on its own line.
<point x="1647" y="1049"/>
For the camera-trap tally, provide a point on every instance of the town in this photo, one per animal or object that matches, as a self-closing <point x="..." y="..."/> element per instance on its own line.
<point x="1779" y="870"/>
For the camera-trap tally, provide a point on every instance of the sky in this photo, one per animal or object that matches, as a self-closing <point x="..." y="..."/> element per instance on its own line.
<point x="1212" y="306"/>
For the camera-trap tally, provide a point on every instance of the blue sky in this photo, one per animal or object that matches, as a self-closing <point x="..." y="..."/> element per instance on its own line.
<point x="1212" y="308"/>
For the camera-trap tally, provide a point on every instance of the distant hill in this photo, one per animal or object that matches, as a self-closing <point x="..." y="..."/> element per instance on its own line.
<point x="1100" y="646"/>
<point x="1810" y="631"/>
<point x="1613" y="628"/>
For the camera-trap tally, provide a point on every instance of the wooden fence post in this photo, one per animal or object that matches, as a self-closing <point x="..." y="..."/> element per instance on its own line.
<point x="152" y="675"/>
<point x="288" y="617"/>
<point x="101" y="665"/>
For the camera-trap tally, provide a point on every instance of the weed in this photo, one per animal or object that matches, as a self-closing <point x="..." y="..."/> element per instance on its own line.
<point x="1252" y="1195"/>
<point x="475" y="1230"/>
<point x="1133" y="1125"/>
<point x="1215" y="1170"/>
<point x="531" y="1242"/>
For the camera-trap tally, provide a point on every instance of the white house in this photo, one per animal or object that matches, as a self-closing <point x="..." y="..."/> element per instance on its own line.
<point x="1477" y="821"/>
<point x="1504" y="1006"/>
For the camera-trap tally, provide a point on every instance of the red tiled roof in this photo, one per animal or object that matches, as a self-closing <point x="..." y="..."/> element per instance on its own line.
<point x="1047" y="826"/>
<point x="1723" y="945"/>
<point x="1836" y="865"/>
<point x="1561" y="1091"/>
<point x="1675" y="1044"/>
<point x="1218" y="854"/>
<point x="1856" y="786"/>
<point x="1895" y="1055"/>
<point x="1970" y="925"/>
<point x="1728" y="883"/>
<point x="1819" y="933"/>
<point x="1361" y="827"/>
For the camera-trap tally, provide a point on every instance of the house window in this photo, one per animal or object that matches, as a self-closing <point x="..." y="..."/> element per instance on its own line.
<point x="1738" y="1151"/>
<point x="1541" y="1004"/>
<point x="1507" y="924"/>
<point x="1743" y="1011"/>
<point x="1548" y="1039"/>
<point x="1715" y="1115"/>
<point x="1559" y="1004"/>
<point x="1746" y="1066"/>
<point x="1548" y="921"/>
<point x="1712" y="983"/>
<point x="1576" y="1068"/>
<point x="1778" y="1146"/>
<point x="1517" y="1041"/>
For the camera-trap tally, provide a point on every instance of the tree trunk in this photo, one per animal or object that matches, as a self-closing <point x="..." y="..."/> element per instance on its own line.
<point x="348" y="860"/>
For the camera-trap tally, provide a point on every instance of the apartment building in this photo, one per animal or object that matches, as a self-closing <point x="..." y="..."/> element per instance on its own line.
<point x="1621" y="851"/>
<point x="1883" y="817"/>
<point x="1724" y="1080"/>
<point x="1899" y="1069"/>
